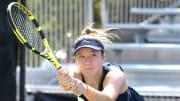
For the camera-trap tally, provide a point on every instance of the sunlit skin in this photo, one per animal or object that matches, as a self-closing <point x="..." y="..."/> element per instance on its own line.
<point x="90" y="66"/>
<point x="89" y="62"/>
<point x="89" y="77"/>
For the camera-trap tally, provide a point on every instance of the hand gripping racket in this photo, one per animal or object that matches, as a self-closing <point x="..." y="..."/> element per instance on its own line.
<point x="27" y="30"/>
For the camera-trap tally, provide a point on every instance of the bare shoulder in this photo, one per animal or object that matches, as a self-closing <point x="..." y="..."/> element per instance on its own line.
<point x="116" y="77"/>
<point x="115" y="70"/>
<point x="116" y="73"/>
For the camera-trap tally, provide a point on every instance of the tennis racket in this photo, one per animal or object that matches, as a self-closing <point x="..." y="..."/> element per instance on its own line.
<point x="27" y="30"/>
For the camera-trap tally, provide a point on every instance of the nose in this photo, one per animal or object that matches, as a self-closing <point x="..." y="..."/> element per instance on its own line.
<point x="87" y="60"/>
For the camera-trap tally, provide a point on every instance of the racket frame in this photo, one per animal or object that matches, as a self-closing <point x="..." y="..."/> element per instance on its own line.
<point x="47" y="53"/>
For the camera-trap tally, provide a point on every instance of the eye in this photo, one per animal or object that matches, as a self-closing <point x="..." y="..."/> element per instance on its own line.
<point x="93" y="54"/>
<point x="80" y="56"/>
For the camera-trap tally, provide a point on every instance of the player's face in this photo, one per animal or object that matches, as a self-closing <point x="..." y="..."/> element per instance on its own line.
<point x="89" y="60"/>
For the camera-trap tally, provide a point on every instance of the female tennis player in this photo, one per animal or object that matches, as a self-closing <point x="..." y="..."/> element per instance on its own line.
<point x="92" y="79"/>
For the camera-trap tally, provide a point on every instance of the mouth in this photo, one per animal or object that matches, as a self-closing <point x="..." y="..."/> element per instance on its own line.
<point x="89" y="69"/>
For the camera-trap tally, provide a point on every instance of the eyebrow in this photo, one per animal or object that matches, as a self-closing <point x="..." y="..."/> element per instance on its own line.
<point x="92" y="50"/>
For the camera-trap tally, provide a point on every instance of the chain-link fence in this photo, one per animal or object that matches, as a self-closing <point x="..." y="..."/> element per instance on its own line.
<point x="62" y="21"/>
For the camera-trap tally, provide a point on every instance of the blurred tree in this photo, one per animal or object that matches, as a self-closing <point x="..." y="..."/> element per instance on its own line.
<point x="97" y="13"/>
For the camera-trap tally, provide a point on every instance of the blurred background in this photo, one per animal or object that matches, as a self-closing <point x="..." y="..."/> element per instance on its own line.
<point x="148" y="49"/>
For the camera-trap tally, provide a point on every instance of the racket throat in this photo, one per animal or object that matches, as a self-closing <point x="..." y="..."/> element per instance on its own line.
<point x="50" y="56"/>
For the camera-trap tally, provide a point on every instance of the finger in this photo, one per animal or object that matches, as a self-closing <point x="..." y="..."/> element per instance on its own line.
<point x="74" y="86"/>
<point x="65" y="87"/>
<point x="63" y="76"/>
<point x="78" y="94"/>
<point x="77" y="88"/>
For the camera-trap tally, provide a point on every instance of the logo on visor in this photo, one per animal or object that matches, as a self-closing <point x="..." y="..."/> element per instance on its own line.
<point x="85" y="41"/>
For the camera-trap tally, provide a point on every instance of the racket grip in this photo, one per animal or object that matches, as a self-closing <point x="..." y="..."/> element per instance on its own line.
<point x="59" y="67"/>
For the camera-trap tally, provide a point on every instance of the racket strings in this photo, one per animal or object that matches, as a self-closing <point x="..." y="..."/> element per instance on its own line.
<point x="27" y="29"/>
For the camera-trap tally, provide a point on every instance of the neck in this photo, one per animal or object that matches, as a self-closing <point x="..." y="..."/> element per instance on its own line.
<point x="93" y="80"/>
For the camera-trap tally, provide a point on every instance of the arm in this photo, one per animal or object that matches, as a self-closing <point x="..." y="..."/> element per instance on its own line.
<point x="114" y="84"/>
<point x="64" y="79"/>
<point x="65" y="76"/>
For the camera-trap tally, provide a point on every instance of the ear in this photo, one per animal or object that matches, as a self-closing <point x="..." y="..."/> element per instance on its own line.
<point x="104" y="57"/>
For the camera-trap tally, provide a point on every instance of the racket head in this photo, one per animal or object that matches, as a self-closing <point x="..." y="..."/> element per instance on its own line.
<point x="27" y="30"/>
<point x="25" y="27"/>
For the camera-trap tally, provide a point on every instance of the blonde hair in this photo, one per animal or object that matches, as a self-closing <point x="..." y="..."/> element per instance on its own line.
<point x="99" y="34"/>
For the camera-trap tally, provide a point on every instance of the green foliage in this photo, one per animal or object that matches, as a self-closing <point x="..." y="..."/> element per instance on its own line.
<point x="97" y="13"/>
